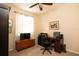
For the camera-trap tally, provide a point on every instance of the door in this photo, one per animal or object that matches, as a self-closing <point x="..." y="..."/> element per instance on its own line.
<point x="4" y="16"/>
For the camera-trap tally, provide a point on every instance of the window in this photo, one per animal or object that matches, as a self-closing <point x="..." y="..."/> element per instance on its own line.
<point x="24" y="24"/>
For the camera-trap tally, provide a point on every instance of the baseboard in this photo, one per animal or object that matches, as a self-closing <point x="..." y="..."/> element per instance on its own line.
<point x="11" y="49"/>
<point x="73" y="51"/>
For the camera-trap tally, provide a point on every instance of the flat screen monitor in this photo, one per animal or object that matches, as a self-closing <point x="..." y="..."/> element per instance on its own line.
<point x="56" y="34"/>
<point x="24" y="36"/>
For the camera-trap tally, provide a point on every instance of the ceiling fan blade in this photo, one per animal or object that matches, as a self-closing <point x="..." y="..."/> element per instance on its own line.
<point x="47" y="3"/>
<point x="33" y="5"/>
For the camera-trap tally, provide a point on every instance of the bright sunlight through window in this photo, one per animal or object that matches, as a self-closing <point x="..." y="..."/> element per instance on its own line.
<point x="24" y="24"/>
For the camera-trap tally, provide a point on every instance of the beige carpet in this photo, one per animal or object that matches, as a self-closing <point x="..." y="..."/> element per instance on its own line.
<point x="35" y="51"/>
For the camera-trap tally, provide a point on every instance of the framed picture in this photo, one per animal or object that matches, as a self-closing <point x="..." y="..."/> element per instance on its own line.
<point x="10" y="26"/>
<point x="54" y="25"/>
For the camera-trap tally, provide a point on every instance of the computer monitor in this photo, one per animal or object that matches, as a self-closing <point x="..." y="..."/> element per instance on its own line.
<point x="56" y="34"/>
<point x="24" y="36"/>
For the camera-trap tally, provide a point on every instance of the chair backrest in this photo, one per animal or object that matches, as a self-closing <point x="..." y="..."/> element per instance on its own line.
<point x="44" y="35"/>
<point x="56" y="34"/>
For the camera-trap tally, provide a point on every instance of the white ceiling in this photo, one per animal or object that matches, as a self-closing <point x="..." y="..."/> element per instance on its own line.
<point x="35" y="9"/>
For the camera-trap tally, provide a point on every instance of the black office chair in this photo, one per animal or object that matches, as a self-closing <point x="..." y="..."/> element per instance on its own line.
<point x="42" y="36"/>
<point x="44" y="41"/>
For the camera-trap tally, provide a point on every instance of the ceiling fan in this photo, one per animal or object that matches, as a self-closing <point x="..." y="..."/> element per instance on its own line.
<point x="40" y="5"/>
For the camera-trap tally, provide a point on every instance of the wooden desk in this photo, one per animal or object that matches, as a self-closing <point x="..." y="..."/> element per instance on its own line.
<point x="57" y="44"/>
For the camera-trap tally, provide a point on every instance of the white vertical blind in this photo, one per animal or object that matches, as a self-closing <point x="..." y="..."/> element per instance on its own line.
<point x="24" y="24"/>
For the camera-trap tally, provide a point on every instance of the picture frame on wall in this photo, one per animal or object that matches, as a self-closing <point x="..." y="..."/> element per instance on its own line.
<point x="54" y="25"/>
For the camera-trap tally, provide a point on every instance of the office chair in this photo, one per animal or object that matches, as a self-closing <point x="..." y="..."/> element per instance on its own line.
<point x="42" y="36"/>
<point x="44" y="41"/>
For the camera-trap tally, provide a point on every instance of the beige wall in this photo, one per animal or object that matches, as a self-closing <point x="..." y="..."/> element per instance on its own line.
<point x="68" y="16"/>
<point x="12" y="16"/>
<point x="37" y="27"/>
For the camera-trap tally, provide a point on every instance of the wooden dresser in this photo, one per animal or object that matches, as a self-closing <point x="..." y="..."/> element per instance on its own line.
<point x="22" y="44"/>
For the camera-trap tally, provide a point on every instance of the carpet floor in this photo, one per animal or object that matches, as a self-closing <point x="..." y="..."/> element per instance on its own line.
<point x="35" y="51"/>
